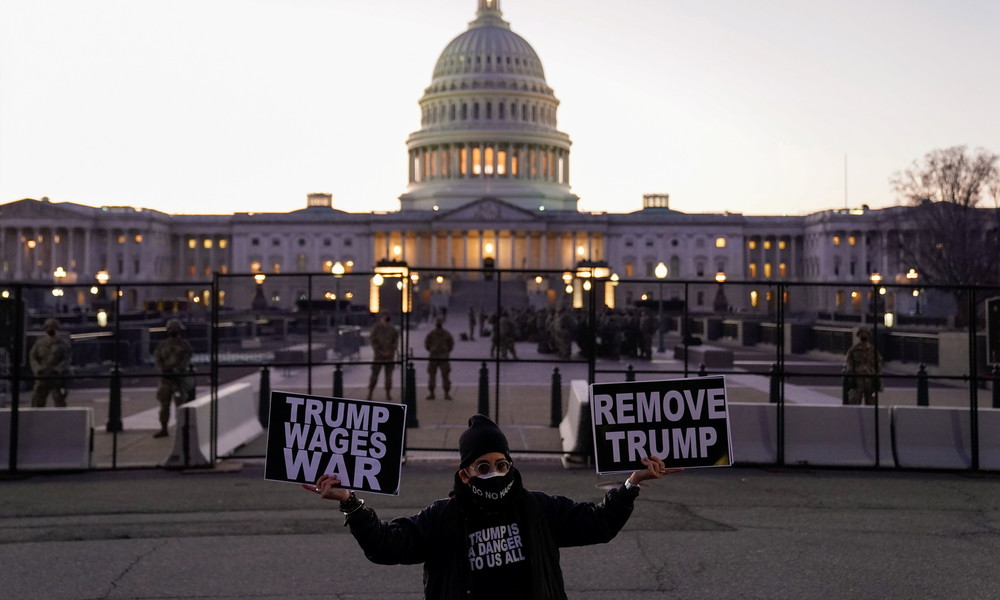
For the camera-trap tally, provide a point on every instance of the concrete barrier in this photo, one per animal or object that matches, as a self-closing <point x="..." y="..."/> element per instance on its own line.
<point x="932" y="437"/>
<point x="837" y="436"/>
<point x="575" y="429"/>
<point x="237" y="424"/>
<point x="713" y="357"/>
<point x="48" y="438"/>
<point x="754" y="432"/>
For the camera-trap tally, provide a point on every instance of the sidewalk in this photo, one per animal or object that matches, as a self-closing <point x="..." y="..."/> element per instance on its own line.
<point x="701" y="534"/>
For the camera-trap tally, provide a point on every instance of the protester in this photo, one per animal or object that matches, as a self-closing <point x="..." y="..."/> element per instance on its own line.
<point x="439" y="343"/>
<point x="863" y="365"/>
<point x="384" y="339"/>
<point x="491" y="538"/>
<point x="50" y="357"/>
<point x="173" y="359"/>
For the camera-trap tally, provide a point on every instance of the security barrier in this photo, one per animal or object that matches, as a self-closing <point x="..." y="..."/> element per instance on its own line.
<point x="237" y="423"/>
<point x="49" y="438"/>
<point x="575" y="429"/>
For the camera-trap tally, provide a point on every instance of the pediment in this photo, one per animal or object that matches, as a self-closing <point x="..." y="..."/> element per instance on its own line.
<point x="486" y="210"/>
<point x="29" y="208"/>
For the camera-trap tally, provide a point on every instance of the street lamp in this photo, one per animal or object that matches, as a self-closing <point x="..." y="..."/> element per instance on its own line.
<point x="721" y="304"/>
<point x="661" y="272"/>
<point x="338" y="272"/>
<point x="911" y="277"/>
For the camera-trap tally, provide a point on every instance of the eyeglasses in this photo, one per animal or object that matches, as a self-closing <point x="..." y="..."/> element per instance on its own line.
<point x="485" y="468"/>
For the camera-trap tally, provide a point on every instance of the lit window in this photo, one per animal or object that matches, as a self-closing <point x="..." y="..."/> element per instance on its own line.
<point x="276" y="268"/>
<point x="223" y="269"/>
<point x="782" y="270"/>
<point x="767" y="244"/>
<point x="121" y="239"/>
<point x="754" y="298"/>
<point x="720" y="242"/>
<point x="767" y="270"/>
<point x="782" y="244"/>
<point x="223" y="243"/>
<point x="752" y="244"/>
<point x="191" y="243"/>
<point x="206" y="243"/>
<point x="753" y="270"/>
<point x="138" y="238"/>
<point x="852" y="240"/>
<point x="255" y="266"/>
<point x="191" y="270"/>
<point x="836" y="240"/>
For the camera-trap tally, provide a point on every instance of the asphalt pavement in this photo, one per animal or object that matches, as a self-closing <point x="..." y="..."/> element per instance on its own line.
<point x="706" y="533"/>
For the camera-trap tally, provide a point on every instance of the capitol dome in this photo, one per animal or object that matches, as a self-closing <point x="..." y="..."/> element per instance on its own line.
<point x="488" y="125"/>
<point x="489" y="46"/>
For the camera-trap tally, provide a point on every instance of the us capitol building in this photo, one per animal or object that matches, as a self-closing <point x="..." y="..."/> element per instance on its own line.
<point x="489" y="187"/>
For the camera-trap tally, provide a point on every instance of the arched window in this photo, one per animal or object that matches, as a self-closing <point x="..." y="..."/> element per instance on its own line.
<point x="465" y="111"/>
<point x="475" y="111"/>
<point x="451" y="112"/>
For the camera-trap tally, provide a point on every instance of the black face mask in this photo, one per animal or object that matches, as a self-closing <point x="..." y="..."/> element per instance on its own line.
<point x="493" y="491"/>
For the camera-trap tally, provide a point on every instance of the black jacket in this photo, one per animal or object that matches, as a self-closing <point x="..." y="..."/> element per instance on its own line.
<point x="436" y="538"/>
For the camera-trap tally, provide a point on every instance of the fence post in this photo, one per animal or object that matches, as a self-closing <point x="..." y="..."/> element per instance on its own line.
<point x="845" y="386"/>
<point x="556" y="398"/>
<point x="115" y="402"/>
<point x="194" y="385"/>
<point x="702" y="372"/>
<point x="775" y="384"/>
<point x="264" y="397"/>
<point x="996" y="386"/>
<point x="629" y="373"/>
<point x="923" y="397"/>
<point x="338" y="382"/>
<point x="484" y="390"/>
<point x="410" y="396"/>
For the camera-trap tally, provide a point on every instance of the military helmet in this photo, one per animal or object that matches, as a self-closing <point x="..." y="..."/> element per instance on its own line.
<point x="51" y="325"/>
<point x="174" y="326"/>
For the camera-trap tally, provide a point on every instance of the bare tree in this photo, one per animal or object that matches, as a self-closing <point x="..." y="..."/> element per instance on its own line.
<point x="955" y="200"/>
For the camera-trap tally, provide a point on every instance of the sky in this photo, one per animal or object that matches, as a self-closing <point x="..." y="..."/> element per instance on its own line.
<point x="758" y="107"/>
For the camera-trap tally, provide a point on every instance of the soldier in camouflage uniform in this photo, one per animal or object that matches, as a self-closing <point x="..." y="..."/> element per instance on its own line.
<point x="863" y="366"/>
<point x="50" y="358"/>
<point x="564" y="326"/>
<point x="439" y="343"/>
<point x="647" y="329"/>
<point x="384" y="338"/>
<point x="173" y="359"/>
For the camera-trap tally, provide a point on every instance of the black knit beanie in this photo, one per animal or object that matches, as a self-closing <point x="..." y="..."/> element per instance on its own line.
<point x="482" y="436"/>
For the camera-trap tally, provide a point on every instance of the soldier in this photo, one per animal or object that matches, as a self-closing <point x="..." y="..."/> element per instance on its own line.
<point x="50" y="358"/>
<point x="173" y="359"/>
<point x="439" y="344"/>
<point x="863" y="365"/>
<point x="564" y="326"/>
<point x="472" y="323"/>
<point x="384" y="338"/>
<point x="647" y="329"/>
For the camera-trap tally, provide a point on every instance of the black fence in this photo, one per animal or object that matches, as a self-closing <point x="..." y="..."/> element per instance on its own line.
<point x="521" y="339"/>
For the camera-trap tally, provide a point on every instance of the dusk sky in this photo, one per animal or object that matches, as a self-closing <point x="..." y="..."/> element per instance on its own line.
<point x="217" y="106"/>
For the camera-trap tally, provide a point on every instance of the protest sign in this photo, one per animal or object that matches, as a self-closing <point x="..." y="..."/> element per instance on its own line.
<point x="358" y="441"/>
<point x="683" y="421"/>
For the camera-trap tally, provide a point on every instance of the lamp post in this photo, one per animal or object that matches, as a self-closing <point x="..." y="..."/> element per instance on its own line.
<point x="876" y="279"/>
<point x="911" y="277"/>
<point x="338" y="272"/>
<point x="721" y="304"/>
<point x="259" y="302"/>
<point x="57" y="292"/>
<point x="661" y="272"/>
